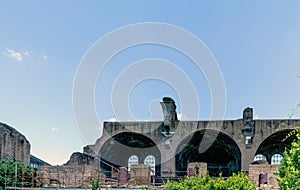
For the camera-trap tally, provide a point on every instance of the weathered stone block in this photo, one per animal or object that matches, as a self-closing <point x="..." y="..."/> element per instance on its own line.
<point x="122" y="176"/>
<point x="70" y="176"/>
<point x="78" y="158"/>
<point x="267" y="171"/>
<point x="140" y="174"/>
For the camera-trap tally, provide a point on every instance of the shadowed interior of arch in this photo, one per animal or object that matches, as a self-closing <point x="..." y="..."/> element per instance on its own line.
<point x="117" y="150"/>
<point x="275" y="144"/>
<point x="223" y="156"/>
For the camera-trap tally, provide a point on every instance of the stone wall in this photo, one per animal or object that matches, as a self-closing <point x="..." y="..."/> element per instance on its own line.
<point x="70" y="176"/>
<point x="79" y="171"/>
<point x="140" y="174"/>
<point x="78" y="158"/>
<point x="247" y="145"/>
<point x="264" y="173"/>
<point x="13" y="145"/>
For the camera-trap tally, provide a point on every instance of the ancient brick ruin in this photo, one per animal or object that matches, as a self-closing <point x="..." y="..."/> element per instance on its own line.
<point x="226" y="146"/>
<point x="78" y="172"/>
<point x="147" y="151"/>
<point x="13" y="145"/>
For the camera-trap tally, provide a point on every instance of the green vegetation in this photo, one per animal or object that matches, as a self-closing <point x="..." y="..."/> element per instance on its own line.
<point x="16" y="174"/>
<point x="289" y="170"/>
<point x="236" y="181"/>
<point x="95" y="184"/>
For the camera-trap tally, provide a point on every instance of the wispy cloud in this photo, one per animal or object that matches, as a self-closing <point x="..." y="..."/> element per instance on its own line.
<point x="14" y="54"/>
<point x="54" y="129"/>
<point x="112" y="119"/>
<point x="182" y="116"/>
<point x="25" y="56"/>
<point x="295" y="75"/>
<point x="45" y="57"/>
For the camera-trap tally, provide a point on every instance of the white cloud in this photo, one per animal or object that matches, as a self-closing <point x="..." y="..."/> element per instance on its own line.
<point x="112" y="119"/>
<point x="14" y="54"/>
<point x="45" y="57"/>
<point x="182" y="116"/>
<point x="256" y="117"/>
<point x="26" y="56"/>
<point x="54" y="129"/>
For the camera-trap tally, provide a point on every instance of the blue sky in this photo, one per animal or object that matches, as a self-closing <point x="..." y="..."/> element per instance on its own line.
<point x="256" y="45"/>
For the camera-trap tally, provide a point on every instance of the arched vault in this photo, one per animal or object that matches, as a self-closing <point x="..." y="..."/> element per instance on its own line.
<point x="276" y="143"/>
<point x="223" y="156"/>
<point x="118" y="149"/>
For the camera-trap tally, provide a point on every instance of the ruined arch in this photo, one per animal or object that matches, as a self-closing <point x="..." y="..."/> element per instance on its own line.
<point x="275" y="143"/>
<point x="119" y="148"/>
<point x="223" y="155"/>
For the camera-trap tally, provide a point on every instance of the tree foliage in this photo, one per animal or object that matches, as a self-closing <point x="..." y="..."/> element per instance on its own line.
<point x="236" y="181"/>
<point x="15" y="174"/>
<point x="289" y="170"/>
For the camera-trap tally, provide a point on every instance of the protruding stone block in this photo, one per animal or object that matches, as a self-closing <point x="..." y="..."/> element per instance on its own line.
<point x="140" y="174"/>
<point x="122" y="176"/>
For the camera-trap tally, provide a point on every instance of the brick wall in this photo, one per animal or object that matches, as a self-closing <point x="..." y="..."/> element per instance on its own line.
<point x="271" y="180"/>
<point x="13" y="145"/>
<point x="70" y="176"/>
<point x="140" y="174"/>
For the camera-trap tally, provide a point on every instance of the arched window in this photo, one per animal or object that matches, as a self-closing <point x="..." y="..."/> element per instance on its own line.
<point x="133" y="160"/>
<point x="150" y="160"/>
<point x="276" y="159"/>
<point x="260" y="157"/>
